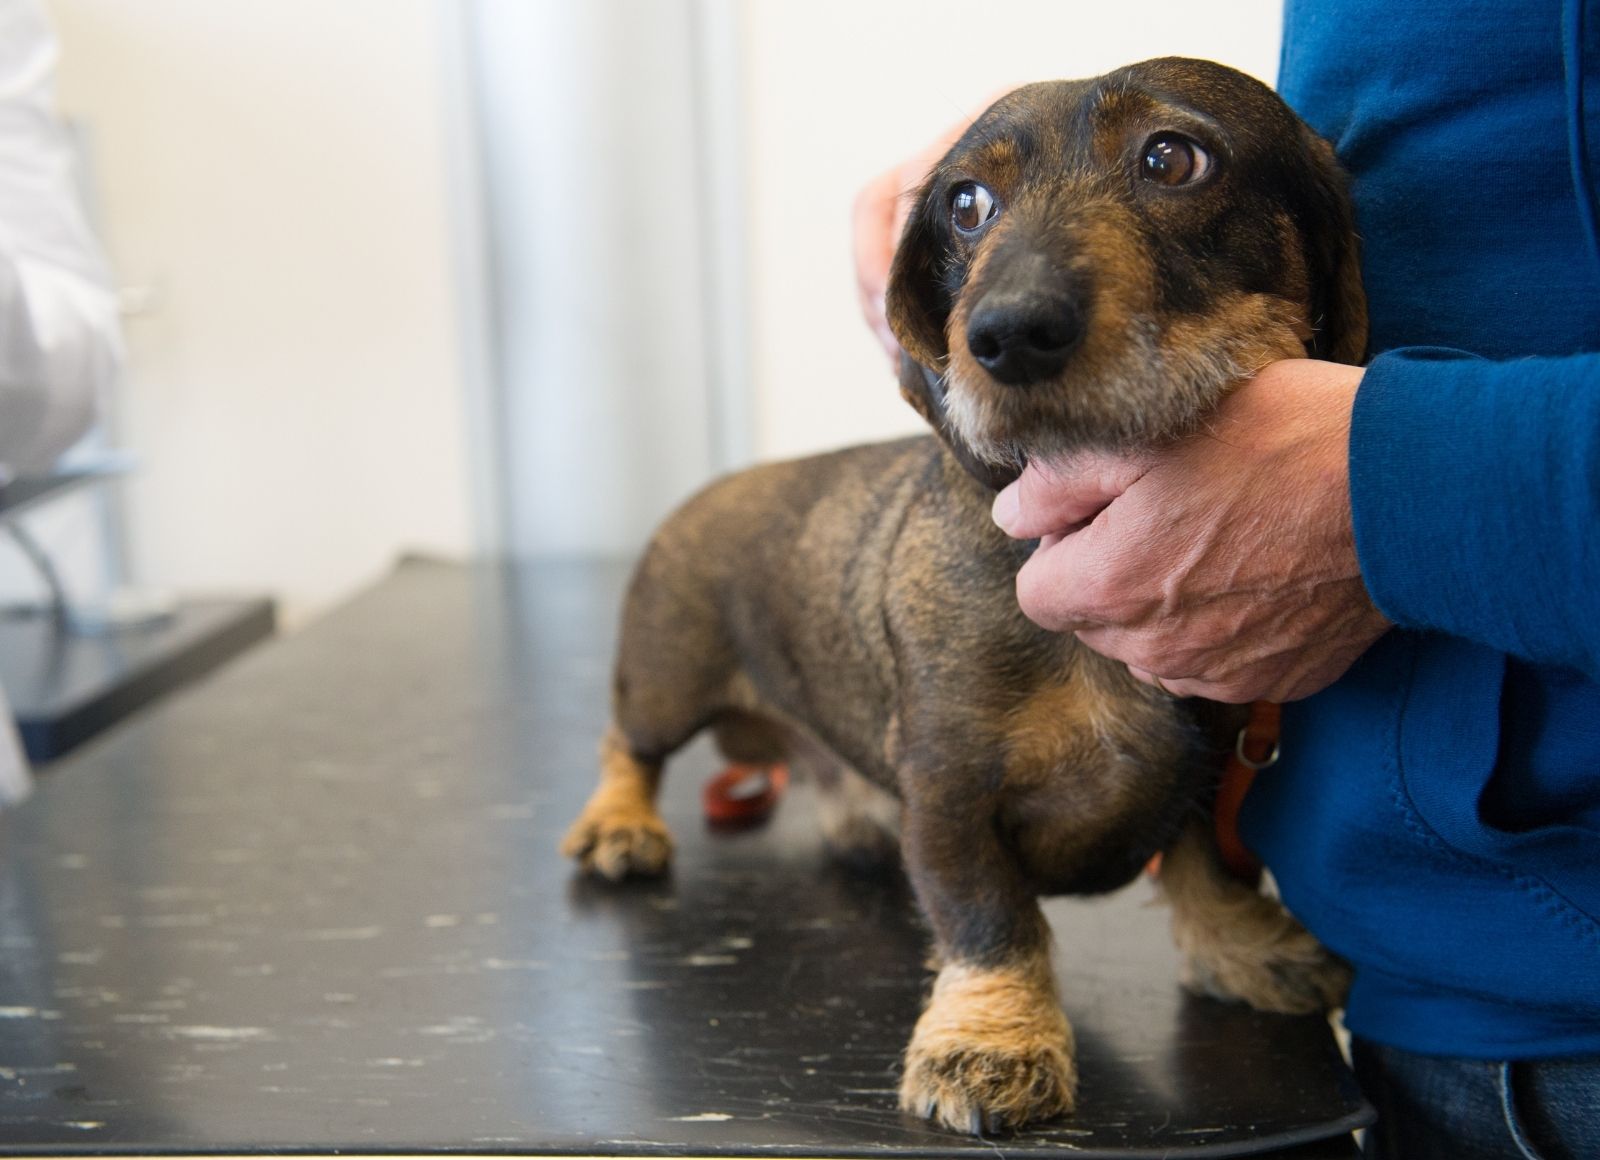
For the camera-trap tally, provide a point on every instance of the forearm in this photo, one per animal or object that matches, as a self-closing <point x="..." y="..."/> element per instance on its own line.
<point x="59" y="348"/>
<point x="59" y="342"/>
<point x="1475" y="488"/>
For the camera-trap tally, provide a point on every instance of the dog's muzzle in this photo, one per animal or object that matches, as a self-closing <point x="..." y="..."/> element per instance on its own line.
<point x="1028" y="322"/>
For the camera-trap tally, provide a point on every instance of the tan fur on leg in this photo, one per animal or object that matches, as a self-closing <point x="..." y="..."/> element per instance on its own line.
<point x="993" y="1050"/>
<point x="1239" y="944"/>
<point x="619" y="831"/>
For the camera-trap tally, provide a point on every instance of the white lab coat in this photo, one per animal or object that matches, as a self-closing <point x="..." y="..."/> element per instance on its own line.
<point x="60" y="347"/>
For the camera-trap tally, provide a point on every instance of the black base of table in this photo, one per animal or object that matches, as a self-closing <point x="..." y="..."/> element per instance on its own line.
<point x="64" y="686"/>
<point x="316" y="906"/>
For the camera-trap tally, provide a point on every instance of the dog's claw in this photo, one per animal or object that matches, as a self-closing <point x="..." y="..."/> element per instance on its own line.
<point x="979" y="1121"/>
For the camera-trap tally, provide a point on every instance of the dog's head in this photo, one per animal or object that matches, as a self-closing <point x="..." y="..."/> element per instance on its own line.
<point x="1095" y="263"/>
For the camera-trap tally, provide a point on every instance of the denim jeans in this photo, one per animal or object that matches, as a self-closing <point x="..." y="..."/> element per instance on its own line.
<point x="1436" y="1108"/>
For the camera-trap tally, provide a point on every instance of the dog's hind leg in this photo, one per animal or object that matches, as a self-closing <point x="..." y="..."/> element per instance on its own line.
<point x="1239" y="944"/>
<point x="860" y="822"/>
<point x="675" y="673"/>
<point x="619" y="831"/>
<point x="748" y="738"/>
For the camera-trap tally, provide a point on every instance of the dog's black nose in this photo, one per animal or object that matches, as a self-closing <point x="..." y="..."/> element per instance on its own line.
<point x="1023" y="338"/>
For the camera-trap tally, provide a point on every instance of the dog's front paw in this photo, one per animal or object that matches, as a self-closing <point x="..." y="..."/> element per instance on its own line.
<point x="1289" y="972"/>
<point x="992" y="1052"/>
<point x="615" y="841"/>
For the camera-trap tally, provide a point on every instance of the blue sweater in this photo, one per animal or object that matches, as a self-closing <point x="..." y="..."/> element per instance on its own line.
<point x="1436" y="815"/>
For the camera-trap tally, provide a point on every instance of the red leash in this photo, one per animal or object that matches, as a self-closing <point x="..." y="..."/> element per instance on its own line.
<point x="1255" y="749"/>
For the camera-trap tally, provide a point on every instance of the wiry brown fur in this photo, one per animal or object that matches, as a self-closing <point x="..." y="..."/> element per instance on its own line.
<point x="856" y="611"/>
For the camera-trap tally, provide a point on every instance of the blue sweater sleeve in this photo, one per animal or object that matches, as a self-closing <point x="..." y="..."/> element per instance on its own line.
<point x="1476" y="494"/>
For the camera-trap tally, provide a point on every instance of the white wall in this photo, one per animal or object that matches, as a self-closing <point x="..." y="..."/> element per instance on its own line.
<point x="274" y="172"/>
<point x="837" y="90"/>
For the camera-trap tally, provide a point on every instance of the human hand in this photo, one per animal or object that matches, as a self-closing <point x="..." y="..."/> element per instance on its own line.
<point x="879" y="218"/>
<point x="1223" y="566"/>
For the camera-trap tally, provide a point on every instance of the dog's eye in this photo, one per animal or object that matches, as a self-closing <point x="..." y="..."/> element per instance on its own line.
<point x="1173" y="160"/>
<point x="970" y="206"/>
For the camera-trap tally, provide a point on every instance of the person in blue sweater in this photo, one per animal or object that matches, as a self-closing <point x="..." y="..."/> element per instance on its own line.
<point x="1426" y="593"/>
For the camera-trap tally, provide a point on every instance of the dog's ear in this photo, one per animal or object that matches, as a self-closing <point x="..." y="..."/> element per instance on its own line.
<point x="920" y="387"/>
<point x="1338" y="300"/>
<point x="917" y="303"/>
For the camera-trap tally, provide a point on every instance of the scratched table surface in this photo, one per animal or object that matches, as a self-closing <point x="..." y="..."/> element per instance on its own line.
<point x="314" y="905"/>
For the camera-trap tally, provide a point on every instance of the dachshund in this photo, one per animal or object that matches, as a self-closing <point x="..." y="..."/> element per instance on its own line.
<point x="1094" y="264"/>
